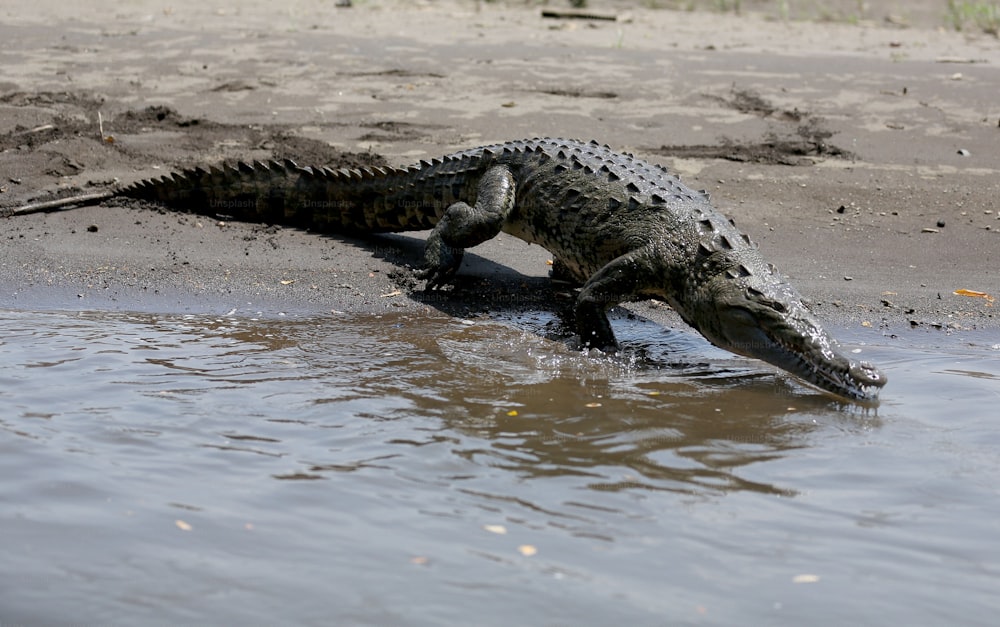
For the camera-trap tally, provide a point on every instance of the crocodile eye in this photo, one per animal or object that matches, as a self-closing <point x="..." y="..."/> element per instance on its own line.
<point x="779" y="307"/>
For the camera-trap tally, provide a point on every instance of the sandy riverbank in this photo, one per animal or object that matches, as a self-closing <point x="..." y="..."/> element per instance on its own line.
<point x="861" y="156"/>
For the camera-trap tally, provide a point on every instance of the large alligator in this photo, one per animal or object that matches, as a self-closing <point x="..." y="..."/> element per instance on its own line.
<point x="624" y="228"/>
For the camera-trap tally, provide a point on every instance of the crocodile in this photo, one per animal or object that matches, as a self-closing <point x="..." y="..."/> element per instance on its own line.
<point x="624" y="228"/>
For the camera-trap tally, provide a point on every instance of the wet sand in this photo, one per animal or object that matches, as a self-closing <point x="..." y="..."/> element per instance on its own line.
<point x="862" y="157"/>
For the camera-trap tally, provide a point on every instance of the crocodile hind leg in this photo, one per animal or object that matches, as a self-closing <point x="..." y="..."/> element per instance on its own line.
<point x="463" y="226"/>
<point x="615" y="283"/>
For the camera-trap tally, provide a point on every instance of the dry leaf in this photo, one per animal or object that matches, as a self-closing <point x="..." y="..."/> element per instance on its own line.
<point x="498" y="529"/>
<point x="183" y="526"/>
<point x="527" y="550"/>
<point x="975" y="294"/>
<point x="288" y="281"/>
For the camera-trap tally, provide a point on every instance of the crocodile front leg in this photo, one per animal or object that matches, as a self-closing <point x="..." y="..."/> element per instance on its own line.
<point x="463" y="226"/>
<point x="615" y="283"/>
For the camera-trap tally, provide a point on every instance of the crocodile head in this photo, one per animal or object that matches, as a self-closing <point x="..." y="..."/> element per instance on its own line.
<point x="759" y="315"/>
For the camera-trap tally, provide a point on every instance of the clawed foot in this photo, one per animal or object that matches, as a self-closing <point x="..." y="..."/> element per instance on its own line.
<point x="435" y="277"/>
<point x="441" y="262"/>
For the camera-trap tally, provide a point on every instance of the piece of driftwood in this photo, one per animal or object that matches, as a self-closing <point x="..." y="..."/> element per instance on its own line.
<point x="583" y="14"/>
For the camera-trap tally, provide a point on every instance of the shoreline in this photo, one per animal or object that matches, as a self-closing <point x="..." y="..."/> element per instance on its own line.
<point x="864" y="165"/>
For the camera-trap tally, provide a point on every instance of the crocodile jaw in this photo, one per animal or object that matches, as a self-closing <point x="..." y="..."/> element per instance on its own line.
<point x="805" y="350"/>
<point x="768" y="321"/>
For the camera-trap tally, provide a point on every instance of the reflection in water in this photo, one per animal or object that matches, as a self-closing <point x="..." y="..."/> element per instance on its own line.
<point x="527" y="405"/>
<point x="547" y="411"/>
<point x="237" y="464"/>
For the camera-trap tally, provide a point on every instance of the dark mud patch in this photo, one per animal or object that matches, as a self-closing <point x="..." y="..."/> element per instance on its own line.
<point x="796" y="138"/>
<point x="133" y="121"/>
<point x="395" y="72"/>
<point x="798" y="146"/>
<point x="234" y="86"/>
<point x="86" y="121"/>
<point x="82" y="120"/>
<point x="772" y="149"/>
<point x="71" y="111"/>
<point x="53" y="159"/>
<point x="577" y="93"/>
<point x="751" y="102"/>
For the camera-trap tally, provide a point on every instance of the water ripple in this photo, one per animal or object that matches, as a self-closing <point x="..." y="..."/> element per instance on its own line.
<point x="235" y="463"/>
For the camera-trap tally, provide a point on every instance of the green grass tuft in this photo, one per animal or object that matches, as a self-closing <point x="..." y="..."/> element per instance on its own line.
<point x="982" y="15"/>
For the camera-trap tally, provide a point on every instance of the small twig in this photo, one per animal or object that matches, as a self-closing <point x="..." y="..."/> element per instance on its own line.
<point x="37" y="129"/>
<point x="585" y="15"/>
<point x="59" y="204"/>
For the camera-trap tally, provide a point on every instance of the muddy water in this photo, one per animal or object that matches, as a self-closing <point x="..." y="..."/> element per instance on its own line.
<point x="427" y="471"/>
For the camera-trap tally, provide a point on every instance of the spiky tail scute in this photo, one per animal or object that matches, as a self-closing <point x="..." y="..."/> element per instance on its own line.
<point x="282" y="192"/>
<point x="250" y="192"/>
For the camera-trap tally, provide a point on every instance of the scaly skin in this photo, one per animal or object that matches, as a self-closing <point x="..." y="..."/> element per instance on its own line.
<point x="626" y="229"/>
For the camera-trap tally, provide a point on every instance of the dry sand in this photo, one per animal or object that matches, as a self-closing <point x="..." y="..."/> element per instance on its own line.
<point x="862" y="156"/>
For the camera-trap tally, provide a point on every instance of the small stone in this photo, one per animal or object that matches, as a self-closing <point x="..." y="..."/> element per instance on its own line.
<point x="848" y="278"/>
<point x="940" y="224"/>
<point x="92" y="228"/>
<point x="963" y="152"/>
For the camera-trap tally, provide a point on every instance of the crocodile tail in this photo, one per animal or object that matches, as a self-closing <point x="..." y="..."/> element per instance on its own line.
<point x="282" y="192"/>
